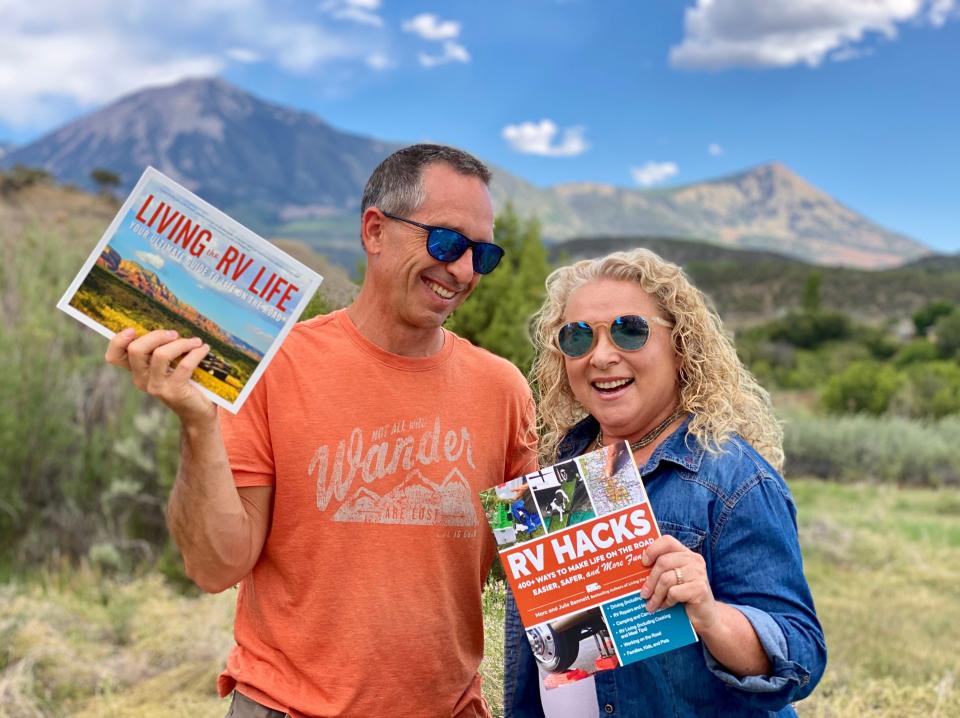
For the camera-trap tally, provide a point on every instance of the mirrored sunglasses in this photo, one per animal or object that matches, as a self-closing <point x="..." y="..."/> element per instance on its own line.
<point x="447" y="245"/>
<point x="628" y="332"/>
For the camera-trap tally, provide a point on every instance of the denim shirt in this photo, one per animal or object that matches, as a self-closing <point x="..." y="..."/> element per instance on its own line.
<point x="736" y="511"/>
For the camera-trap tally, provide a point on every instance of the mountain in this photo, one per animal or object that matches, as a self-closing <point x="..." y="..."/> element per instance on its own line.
<point x="766" y="207"/>
<point x="288" y="173"/>
<point x="261" y="163"/>
<point x="5" y="148"/>
<point x="747" y="285"/>
<point x="150" y="285"/>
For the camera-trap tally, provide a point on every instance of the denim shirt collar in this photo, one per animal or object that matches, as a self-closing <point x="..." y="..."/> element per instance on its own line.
<point x="675" y="450"/>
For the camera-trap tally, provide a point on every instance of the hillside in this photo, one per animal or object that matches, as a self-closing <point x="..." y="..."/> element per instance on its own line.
<point x="750" y="285"/>
<point x="288" y="173"/>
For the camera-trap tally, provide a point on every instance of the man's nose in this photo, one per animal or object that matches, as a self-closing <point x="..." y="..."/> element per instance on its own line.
<point x="462" y="268"/>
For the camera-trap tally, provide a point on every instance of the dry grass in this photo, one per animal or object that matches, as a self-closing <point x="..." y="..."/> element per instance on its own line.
<point x="884" y="564"/>
<point x="77" y="644"/>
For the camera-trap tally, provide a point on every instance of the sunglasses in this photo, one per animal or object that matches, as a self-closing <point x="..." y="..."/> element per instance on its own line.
<point x="628" y="332"/>
<point x="447" y="245"/>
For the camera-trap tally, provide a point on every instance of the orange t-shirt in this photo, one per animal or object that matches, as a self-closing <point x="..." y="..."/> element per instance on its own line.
<point x="366" y="598"/>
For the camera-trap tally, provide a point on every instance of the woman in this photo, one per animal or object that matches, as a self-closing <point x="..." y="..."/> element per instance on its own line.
<point x="627" y="349"/>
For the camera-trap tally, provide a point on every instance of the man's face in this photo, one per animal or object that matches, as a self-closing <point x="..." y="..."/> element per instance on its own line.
<point x="424" y="291"/>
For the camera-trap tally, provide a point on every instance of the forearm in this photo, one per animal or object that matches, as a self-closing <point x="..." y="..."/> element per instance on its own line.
<point x="733" y="642"/>
<point x="206" y="516"/>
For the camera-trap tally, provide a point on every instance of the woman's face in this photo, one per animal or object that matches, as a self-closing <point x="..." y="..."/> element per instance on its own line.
<point x="629" y="392"/>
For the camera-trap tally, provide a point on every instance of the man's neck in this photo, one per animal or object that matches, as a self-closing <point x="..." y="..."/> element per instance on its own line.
<point x="379" y="325"/>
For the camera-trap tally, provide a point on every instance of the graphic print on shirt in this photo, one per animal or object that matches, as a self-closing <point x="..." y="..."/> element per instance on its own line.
<point x="359" y="477"/>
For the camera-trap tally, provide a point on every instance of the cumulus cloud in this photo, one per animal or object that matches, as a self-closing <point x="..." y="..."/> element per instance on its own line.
<point x="653" y="173"/>
<point x="53" y="63"/>
<point x="537" y="138"/>
<point x="150" y="259"/>
<point x="430" y="27"/>
<point x="452" y="52"/>
<point x="359" y="11"/>
<point x="445" y="32"/>
<point x="758" y="33"/>
<point x="714" y="149"/>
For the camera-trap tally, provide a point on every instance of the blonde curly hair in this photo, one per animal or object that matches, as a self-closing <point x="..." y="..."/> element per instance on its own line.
<point x="721" y="394"/>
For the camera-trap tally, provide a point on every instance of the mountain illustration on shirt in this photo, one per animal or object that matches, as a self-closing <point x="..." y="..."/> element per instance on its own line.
<point x="416" y="501"/>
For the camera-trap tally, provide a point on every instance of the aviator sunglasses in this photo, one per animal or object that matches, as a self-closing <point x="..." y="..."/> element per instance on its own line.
<point x="447" y="245"/>
<point x="628" y="332"/>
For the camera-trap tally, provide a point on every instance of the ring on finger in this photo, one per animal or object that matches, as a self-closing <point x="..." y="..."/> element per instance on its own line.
<point x="678" y="572"/>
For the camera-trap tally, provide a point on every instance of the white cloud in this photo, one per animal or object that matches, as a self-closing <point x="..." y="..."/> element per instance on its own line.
<point x="359" y="11"/>
<point x="430" y="27"/>
<point x="537" y="139"/>
<point x="452" y="52"/>
<point x="654" y="173"/>
<point x="760" y="33"/>
<point x="714" y="149"/>
<point x="53" y="63"/>
<point x="154" y="260"/>
<point x="941" y="11"/>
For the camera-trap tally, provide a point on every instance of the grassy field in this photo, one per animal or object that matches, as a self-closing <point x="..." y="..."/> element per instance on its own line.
<point x="884" y="564"/>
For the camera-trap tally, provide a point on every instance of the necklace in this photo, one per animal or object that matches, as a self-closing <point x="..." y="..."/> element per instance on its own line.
<point x="651" y="435"/>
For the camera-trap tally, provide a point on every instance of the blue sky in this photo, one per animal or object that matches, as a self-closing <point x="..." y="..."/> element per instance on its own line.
<point x="860" y="97"/>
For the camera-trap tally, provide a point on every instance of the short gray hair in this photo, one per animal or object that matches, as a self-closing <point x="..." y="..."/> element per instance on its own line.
<point x="396" y="185"/>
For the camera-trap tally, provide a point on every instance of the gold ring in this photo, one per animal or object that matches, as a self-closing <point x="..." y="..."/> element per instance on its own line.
<point x="679" y="573"/>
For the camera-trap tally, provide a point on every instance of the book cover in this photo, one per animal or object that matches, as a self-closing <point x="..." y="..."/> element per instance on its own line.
<point x="169" y="260"/>
<point x="570" y="537"/>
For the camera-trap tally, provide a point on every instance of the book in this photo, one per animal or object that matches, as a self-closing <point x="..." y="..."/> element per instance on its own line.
<point x="570" y="537"/>
<point x="170" y="260"/>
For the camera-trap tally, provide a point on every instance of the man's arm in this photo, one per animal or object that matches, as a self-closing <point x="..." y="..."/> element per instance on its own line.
<point x="219" y="529"/>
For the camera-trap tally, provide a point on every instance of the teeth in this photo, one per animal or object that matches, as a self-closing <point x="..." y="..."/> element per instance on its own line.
<point x="611" y="384"/>
<point x="440" y="291"/>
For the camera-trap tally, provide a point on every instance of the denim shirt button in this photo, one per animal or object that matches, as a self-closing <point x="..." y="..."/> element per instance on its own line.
<point x="609" y="708"/>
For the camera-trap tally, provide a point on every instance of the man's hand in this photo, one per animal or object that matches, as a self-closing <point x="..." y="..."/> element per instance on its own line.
<point x="150" y="360"/>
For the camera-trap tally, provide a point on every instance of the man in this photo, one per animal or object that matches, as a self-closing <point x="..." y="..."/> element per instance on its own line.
<point x="343" y="497"/>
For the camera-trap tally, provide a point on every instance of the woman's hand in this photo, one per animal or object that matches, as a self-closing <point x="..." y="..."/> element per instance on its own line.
<point x="679" y="575"/>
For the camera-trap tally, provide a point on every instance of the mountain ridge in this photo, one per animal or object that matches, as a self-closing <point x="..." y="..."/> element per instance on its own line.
<point x="287" y="172"/>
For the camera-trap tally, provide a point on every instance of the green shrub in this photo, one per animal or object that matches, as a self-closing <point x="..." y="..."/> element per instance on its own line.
<point x="865" y="448"/>
<point x="864" y="386"/>
<point x="918" y="350"/>
<point x="810" y="329"/>
<point x="930" y="390"/>
<point x="947" y="331"/>
<point x="927" y="316"/>
<point x="87" y="460"/>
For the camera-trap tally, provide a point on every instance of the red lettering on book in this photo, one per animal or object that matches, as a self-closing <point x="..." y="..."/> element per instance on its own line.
<point x="291" y="288"/>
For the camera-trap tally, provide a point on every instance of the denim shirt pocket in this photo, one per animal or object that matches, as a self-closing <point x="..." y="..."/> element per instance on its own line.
<point x="689" y="536"/>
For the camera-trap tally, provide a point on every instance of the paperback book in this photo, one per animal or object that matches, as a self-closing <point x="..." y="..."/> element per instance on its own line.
<point x="169" y="260"/>
<point x="570" y="537"/>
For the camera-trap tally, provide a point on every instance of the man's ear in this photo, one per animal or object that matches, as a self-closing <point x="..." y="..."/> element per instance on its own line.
<point x="372" y="227"/>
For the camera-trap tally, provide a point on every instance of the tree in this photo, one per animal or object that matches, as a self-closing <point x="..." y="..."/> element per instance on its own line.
<point x="811" y="292"/>
<point x="496" y="316"/>
<point x="105" y="180"/>
<point x="947" y="332"/>
<point x="927" y="315"/>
